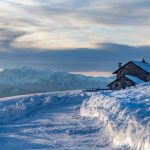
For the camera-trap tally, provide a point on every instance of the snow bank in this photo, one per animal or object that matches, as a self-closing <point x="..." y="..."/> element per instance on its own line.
<point x="125" y="113"/>
<point x="17" y="107"/>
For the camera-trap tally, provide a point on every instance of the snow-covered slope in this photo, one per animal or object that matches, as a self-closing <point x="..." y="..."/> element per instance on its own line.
<point x="76" y="120"/>
<point x="49" y="121"/>
<point x="19" y="106"/>
<point x="125" y="113"/>
<point x="26" y="80"/>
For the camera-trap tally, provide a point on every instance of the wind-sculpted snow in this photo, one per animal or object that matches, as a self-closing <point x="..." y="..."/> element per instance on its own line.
<point x="17" y="107"/>
<point x="114" y="120"/>
<point x="49" y="121"/>
<point x="125" y="113"/>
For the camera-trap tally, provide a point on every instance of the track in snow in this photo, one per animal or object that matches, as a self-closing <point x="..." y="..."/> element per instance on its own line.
<point x="59" y="127"/>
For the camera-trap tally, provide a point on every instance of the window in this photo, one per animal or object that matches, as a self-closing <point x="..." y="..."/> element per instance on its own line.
<point x="124" y="85"/>
<point x="116" y="85"/>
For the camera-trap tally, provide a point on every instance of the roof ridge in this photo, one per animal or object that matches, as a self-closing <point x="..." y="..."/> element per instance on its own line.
<point x="144" y="66"/>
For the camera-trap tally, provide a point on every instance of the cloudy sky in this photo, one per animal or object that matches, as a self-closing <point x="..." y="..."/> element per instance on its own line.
<point x="81" y="36"/>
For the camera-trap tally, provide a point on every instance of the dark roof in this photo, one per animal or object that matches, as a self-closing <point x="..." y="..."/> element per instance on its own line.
<point x="142" y="65"/>
<point x="145" y="66"/>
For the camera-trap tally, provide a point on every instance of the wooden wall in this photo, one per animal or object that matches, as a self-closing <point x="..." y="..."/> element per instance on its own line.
<point x="121" y="83"/>
<point x="132" y="69"/>
<point x="148" y="77"/>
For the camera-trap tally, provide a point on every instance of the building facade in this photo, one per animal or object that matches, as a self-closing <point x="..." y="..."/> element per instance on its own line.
<point x="130" y="74"/>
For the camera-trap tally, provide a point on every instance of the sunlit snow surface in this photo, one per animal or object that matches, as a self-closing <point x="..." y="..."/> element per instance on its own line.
<point x="126" y="115"/>
<point x="76" y="120"/>
<point x="49" y="121"/>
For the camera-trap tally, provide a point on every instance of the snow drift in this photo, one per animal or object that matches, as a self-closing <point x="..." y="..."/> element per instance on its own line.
<point x="125" y="113"/>
<point x="49" y="121"/>
<point x="17" y="107"/>
<point x="123" y="117"/>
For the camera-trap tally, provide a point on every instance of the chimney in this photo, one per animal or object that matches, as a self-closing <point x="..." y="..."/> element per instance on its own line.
<point x="143" y="60"/>
<point x="120" y="64"/>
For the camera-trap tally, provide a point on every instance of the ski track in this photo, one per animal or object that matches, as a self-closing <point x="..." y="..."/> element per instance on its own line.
<point x="59" y="127"/>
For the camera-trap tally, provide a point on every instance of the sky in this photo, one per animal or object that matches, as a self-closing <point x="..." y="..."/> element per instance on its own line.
<point x="80" y="36"/>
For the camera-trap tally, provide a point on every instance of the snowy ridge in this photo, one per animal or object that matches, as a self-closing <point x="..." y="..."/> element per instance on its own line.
<point x="26" y="80"/>
<point x="17" y="107"/>
<point x="125" y="113"/>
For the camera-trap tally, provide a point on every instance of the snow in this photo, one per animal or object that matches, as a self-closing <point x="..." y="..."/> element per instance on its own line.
<point x="19" y="106"/>
<point x="77" y="120"/>
<point x="49" y="121"/>
<point x="134" y="79"/>
<point x="145" y="66"/>
<point x="27" y="80"/>
<point x="125" y="113"/>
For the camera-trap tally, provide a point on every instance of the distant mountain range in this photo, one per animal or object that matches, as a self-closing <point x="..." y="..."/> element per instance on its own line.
<point x="26" y="80"/>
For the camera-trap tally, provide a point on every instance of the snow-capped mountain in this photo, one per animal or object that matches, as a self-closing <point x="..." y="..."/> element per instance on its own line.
<point x="26" y="80"/>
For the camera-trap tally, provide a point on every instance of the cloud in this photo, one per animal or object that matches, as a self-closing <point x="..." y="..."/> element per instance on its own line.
<point x="103" y="58"/>
<point x="73" y="35"/>
<point x="120" y="13"/>
<point x="66" y="24"/>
